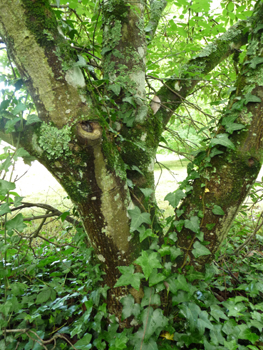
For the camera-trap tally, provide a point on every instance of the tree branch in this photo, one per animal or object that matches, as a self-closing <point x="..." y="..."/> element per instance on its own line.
<point x="38" y="64"/>
<point x="40" y="341"/>
<point x="174" y="91"/>
<point x="22" y="137"/>
<point x="54" y="212"/>
<point x="156" y="9"/>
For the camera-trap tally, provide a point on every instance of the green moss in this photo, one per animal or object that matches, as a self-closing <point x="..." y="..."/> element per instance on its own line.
<point x="41" y="21"/>
<point x="76" y="189"/>
<point x="114" y="161"/>
<point x="118" y="7"/>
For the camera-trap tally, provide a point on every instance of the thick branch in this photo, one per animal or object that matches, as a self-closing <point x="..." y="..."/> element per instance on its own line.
<point x="224" y="180"/>
<point x="20" y="138"/>
<point x="174" y="91"/>
<point x="156" y="9"/>
<point x="37" y="48"/>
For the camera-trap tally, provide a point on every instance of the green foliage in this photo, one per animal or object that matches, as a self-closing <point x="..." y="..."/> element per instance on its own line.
<point x="137" y="218"/>
<point x="53" y="293"/>
<point x="52" y="296"/>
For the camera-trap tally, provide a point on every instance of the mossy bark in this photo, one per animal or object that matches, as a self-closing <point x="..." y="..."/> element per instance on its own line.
<point x="226" y="180"/>
<point x="89" y="166"/>
<point x="100" y="153"/>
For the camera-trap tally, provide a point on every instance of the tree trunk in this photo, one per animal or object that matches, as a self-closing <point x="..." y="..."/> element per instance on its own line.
<point x="100" y="142"/>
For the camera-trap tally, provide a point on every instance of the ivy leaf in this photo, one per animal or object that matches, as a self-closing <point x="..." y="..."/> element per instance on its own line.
<point x="193" y="224"/>
<point x="199" y="250"/>
<point x="21" y="152"/>
<point x="230" y="128"/>
<point x="4" y="208"/>
<point x="129" y="307"/>
<point x="173" y="251"/>
<point x="116" y="88"/>
<point x="217" y="210"/>
<point x="129" y="100"/>
<point x="144" y="233"/>
<point x="251" y="98"/>
<point x="20" y="107"/>
<point x="247" y="334"/>
<point x="217" y="313"/>
<point x="164" y="250"/>
<point x="256" y="324"/>
<point x="179" y="283"/>
<point x="153" y="322"/>
<point x="174" y="197"/>
<point x="128" y="118"/>
<point x="148" y="262"/>
<point x="200" y="236"/>
<point x="138" y="218"/>
<point x="150" y="298"/>
<point x="137" y="339"/>
<point x="134" y="167"/>
<point x="128" y="277"/>
<point x="190" y="311"/>
<point x="6" y="164"/>
<point x="193" y="275"/>
<point x="84" y="342"/>
<point x="10" y="125"/>
<point x="32" y="118"/>
<point x="147" y="192"/>
<point x="43" y="296"/>
<point x="179" y="225"/>
<point x="155" y="278"/>
<point x="222" y="139"/>
<point x="16" y="223"/>
<point x="215" y="152"/>
<point x="255" y="61"/>
<point x="203" y="322"/>
<point x="234" y="309"/>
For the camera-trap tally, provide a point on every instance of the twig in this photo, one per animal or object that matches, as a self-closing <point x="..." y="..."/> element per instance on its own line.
<point x="40" y="341"/>
<point x="56" y="244"/>
<point x="258" y="226"/>
<point x="54" y="212"/>
<point x="183" y="154"/>
<point x="60" y="6"/>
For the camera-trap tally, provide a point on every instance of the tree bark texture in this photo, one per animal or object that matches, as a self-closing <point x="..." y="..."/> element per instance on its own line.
<point x="94" y="146"/>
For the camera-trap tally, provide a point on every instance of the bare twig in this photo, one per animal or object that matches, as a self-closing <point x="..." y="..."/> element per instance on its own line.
<point x="257" y="228"/>
<point x="39" y="340"/>
<point x="54" y="212"/>
<point x="56" y="244"/>
<point x="60" y="6"/>
<point x="183" y="154"/>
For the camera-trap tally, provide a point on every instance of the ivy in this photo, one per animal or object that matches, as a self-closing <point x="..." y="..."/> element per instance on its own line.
<point x="138" y="218"/>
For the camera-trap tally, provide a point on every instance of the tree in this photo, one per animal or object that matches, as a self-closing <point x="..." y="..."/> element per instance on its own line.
<point x="99" y="124"/>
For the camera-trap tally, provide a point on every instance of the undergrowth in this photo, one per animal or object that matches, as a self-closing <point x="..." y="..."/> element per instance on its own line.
<point x="52" y="294"/>
<point x="51" y="298"/>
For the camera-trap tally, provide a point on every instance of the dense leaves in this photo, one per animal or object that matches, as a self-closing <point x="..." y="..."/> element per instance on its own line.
<point x="54" y="295"/>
